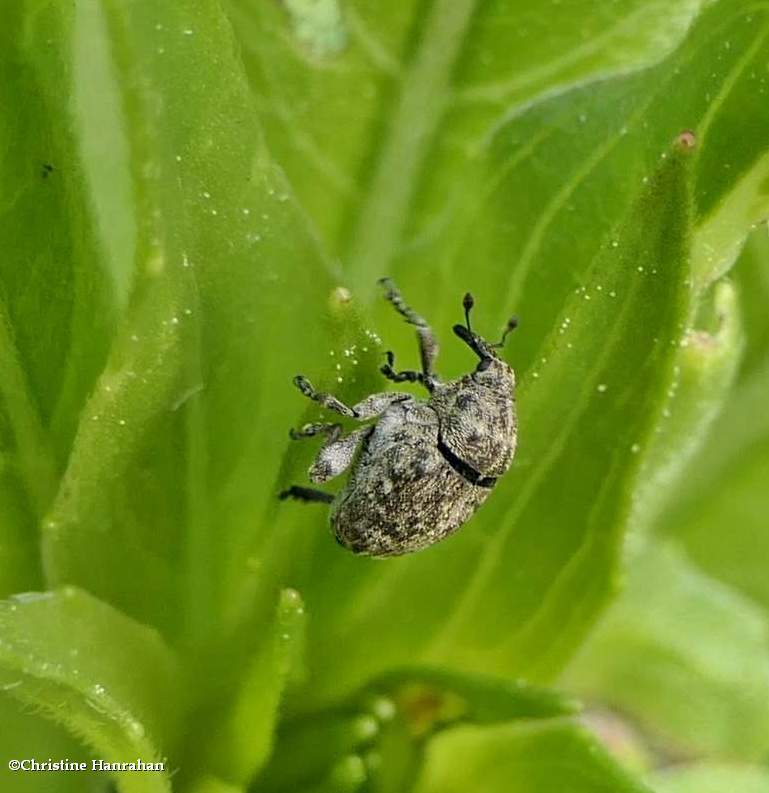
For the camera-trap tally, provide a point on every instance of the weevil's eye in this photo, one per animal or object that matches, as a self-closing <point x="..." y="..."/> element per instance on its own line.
<point x="484" y="364"/>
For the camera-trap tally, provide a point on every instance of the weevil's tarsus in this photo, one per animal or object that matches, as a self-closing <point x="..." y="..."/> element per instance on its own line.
<point x="327" y="400"/>
<point x="305" y="494"/>
<point x="428" y="345"/>
<point x="408" y="376"/>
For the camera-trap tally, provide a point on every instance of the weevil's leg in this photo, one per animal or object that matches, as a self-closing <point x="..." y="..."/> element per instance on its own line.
<point x="311" y="430"/>
<point x="399" y="377"/>
<point x="327" y="400"/>
<point x="376" y="404"/>
<point x="336" y="454"/>
<point x="306" y="494"/>
<point x="428" y="345"/>
<point x="367" y="408"/>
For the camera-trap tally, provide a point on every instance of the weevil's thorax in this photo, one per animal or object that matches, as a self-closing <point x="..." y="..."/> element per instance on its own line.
<point x="477" y="417"/>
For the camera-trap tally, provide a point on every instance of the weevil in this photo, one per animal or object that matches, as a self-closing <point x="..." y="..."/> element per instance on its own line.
<point x="425" y="466"/>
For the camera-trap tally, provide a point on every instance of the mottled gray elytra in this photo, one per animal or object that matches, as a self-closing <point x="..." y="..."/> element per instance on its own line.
<point x="424" y="467"/>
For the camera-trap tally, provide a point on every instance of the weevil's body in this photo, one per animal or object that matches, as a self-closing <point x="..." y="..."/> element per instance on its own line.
<point x="423" y="469"/>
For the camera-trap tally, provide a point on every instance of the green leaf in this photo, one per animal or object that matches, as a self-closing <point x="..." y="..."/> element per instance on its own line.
<point x="228" y="182"/>
<point x="474" y="698"/>
<point x="542" y="562"/>
<point x="719" y="508"/>
<point x="324" y="743"/>
<point x="531" y="758"/>
<point x="711" y="778"/>
<point x="110" y="682"/>
<point x="56" y="307"/>
<point x="390" y="721"/>
<point x="451" y="70"/>
<point x="683" y="655"/>
<point x="428" y="701"/>
<point x="583" y="157"/>
<point x="705" y="370"/>
<point x="244" y="735"/>
<point x="186" y="408"/>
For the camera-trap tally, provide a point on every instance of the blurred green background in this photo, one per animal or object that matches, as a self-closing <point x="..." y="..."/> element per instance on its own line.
<point x="196" y="201"/>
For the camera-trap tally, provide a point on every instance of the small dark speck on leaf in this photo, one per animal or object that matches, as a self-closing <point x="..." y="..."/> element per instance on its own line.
<point x="686" y="139"/>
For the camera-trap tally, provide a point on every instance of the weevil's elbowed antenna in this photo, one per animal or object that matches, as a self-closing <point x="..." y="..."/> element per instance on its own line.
<point x="467" y="303"/>
<point x="512" y="324"/>
<point x="480" y="346"/>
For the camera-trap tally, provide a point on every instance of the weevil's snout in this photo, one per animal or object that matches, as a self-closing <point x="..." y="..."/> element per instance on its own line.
<point x="477" y="344"/>
<point x="464" y="333"/>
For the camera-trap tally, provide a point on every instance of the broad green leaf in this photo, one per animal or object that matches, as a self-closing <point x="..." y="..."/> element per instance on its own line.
<point x="110" y="682"/>
<point x="57" y="304"/>
<point x="410" y="67"/>
<point x="704" y="373"/>
<point x="685" y="656"/>
<point x="719" y="509"/>
<point x="507" y="564"/>
<point x="583" y="158"/>
<point x="229" y="181"/>
<point x="724" y="526"/>
<point x="245" y="731"/>
<point x="186" y="410"/>
<point x="528" y="758"/>
<point x="56" y="308"/>
<point x="711" y="778"/>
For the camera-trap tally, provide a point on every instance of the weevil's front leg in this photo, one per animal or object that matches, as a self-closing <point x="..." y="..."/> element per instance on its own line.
<point x="428" y="345"/>
<point x="306" y="494"/>
<point x="311" y="430"/>
<point x="367" y="408"/>
<point x="376" y="404"/>
<point x="327" y="400"/>
<point x="336" y="454"/>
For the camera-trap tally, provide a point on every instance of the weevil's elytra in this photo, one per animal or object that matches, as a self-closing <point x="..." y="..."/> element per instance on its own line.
<point x="424" y="467"/>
